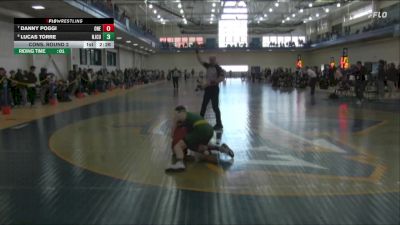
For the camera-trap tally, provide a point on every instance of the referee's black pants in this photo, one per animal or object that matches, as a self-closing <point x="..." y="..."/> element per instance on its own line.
<point x="211" y="93"/>
<point x="175" y="82"/>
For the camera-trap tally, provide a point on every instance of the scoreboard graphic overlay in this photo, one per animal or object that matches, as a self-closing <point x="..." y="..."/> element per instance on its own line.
<point x="59" y="35"/>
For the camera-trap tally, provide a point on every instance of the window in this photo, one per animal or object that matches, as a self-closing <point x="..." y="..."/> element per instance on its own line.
<point x="232" y="27"/>
<point x="178" y="42"/>
<point x="280" y="40"/>
<point x="83" y="56"/>
<point x="199" y="40"/>
<point x="275" y="41"/>
<point x="295" y="39"/>
<point x="287" y="39"/>
<point x="232" y="32"/>
<point x="192" y="39"/>
<point x="265" y="41"/>
<point x="235" y="68"/>
<point x="184" y="41"/>
<point x="111" y="59"/>
<point x="95" y="57"/>
<point x="302" y="40"/>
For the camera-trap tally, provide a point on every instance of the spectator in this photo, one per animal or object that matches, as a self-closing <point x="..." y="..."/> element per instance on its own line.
<point x="359" y="75"/>
<point x="44" y="86"/>
<point x="391" y="78"/>
<point x="31" y="80"/>
<point x="381" y="79"/>
<point x="313" y="79"/>
<point x="175" y="78"/>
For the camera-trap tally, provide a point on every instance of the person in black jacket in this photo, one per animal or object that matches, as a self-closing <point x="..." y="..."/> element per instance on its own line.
<point x="31" y="80"/>
<point x="214" y="75"/>
<point x="381" y="79"/>
<point x="359" y="75"/>
<point x="44" y="86"/>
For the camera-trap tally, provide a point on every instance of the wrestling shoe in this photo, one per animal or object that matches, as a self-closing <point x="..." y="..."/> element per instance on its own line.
<point x="225" y="149"/>
<point x="179" y="166"/>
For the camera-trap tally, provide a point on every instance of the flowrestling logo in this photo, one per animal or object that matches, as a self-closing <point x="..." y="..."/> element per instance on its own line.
<point x="379" y="15"/>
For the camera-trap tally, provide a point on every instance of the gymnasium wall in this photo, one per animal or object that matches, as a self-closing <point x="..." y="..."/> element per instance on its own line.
<point x="365" y="51"/>
<point x="371" y="51"/>
<point x="188" y="60"/>
<point x="126" y="58"/>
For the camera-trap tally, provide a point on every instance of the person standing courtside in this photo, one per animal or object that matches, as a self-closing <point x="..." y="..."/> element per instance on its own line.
<point x="175" y="78"/>
<point x="313" y="79"/>
<point x="359" y="75"/>
<point x="214" y="75"/>
<point x="31" y="80"/>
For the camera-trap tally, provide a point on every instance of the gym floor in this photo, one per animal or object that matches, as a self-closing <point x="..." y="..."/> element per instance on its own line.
<point x="298" y="160"/>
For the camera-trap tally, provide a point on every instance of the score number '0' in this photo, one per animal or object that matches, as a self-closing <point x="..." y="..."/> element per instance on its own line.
<point x="108" y="27"/>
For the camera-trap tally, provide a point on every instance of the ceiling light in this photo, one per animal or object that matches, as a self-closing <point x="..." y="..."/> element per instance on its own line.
<point x="150" y="6"/>
<point x="301" y="10"/>
<point x="283" y="21"/>
<point x="212" y="15"/>
<point x="181" y="11"/>
<point x="158" y="16"/>
<point x="135" y="44"/>
<point x="288" y="18"/>
<point x="265" y="15"/>
<point x="317" y="15"/>
<point x="276" y="4"/>
<point x="270" y="10"/>
<point x="155" y="11"/>
<point x="179" y="5"/>
<point x="310" y="18"/>
<point x="326" y="10"/>
<point x="338" y="5"/>
<point x="38" y="7"/>
<point x="305" y="21"/>
<point x="210" y="22"/>
<point x="261" y="18"/>
<point x="258" y="22"/>
<point x="141" y="46"/>
<point x="293" y="15"/>
<point x="213" y="5"/>
<point x="118" y="38"/>
<point x="212" y="10"/>
<point x="310" y="5"/>
<point x="128" y="41"/>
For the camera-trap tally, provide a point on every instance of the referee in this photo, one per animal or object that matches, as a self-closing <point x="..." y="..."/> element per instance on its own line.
<point x="214" y="75"/>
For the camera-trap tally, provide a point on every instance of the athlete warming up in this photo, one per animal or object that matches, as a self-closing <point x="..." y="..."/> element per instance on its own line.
<point x="199" y="134"/>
